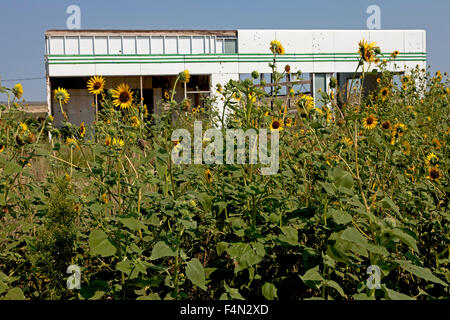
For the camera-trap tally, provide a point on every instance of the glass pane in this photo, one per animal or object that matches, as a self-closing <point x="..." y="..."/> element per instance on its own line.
<point x="319" y="83"/>
<point x="230" y="46"/>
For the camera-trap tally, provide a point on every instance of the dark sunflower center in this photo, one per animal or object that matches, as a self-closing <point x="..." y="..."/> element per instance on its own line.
<point x="276" y="125"/>
<point x="386" y="125"/>
<point x="124" y="97"/>
<point x="96" y="86"/>
<point x="369" y="120"/>
<point x="384" y="92"/>
<point x="434" y="173"/>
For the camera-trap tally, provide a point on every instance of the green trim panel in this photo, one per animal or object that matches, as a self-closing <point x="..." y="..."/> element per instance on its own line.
<point x="219" y="58"/>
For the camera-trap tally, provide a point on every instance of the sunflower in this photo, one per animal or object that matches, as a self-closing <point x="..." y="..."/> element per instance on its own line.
<point x="434" y="173"/>
<point x="384" y="92"/>
<point x="367" y="50"/>
<point x="82" y="130"/>
<point x="72" y="142"/>
<point x="18" y="90"/>
<point x="104" y="198"/>
<point x="395" y="54"/>
<point x="378" y="80"/>
<point x="118" y="142"/>
<point x="400" y="129"/>
<point x="431" y="159"/>
<point x="347" y="141"/>
<point x="77" y="207"/>
<point x="251" y="97"/>
<point x="61" y="95"/>
<point x="407" y="149"/>
<point x="108" y="141"/>
<point x="123" y="96"/>
<point x="23" y="127"/>
<point x="208" y="175"/>
<point x="370" y="122"/>
<point x="166" y="95"/>
<point x="96" y="84"/>
<point x="184" y="76"/>
<point x="386" y="125"/>
<point x="276" y="125"/>
<point x="135" y="122"/>
<point x="276" y="47"/>
<point x="437" y="143"/>
<point x="289" y="122"/>
<point x="2" y="148"/>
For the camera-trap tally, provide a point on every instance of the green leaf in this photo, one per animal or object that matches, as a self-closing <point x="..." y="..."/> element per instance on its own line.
<point x="221" y="247"/>
<point x="14" y="294"/>
<point x="100" y="245"/>
<point x="161" y="249"/>
<point x="340" y="217"/>
<point x="394" y="295"/>
<point x="328" y="188"/>
<point x="234" y="293"/>
<point x="269" y="291"/>
<point x="342" y="178"/>
<point x="404" y="237"/>
<point x="196" y="273"/>
<point x="125" y="267"/>
<point x="312" y="275"/>
<point x="420" y="272"/>
<point x="290" y="235"/>
<point x="389" y="204"/>
<point x="132" y="223"/>
<point x="335" y="285"/>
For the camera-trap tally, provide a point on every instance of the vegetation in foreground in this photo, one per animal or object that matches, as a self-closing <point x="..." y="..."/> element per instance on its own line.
<point x="361" y="183"/>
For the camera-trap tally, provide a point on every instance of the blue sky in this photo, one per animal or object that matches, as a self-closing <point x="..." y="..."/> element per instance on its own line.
<point x="23" y="23"/>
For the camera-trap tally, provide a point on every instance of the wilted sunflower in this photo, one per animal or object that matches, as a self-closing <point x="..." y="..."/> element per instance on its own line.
<point x="82" y="130"/>
<point x="276" y="125"/>
<point x="61" y="95"/>
<point x="17" y="90"/>
<point x="77" y="207"/>
<point x="96" y="84"/>
<point x="433" y="173"/>
<point x="370" y="122"/>
<point x="184" y="76"/>
<point x="384" y="92"/>
<point x="431" y="159"/>
<point x="386" y="125"/>
<point x="123" y="97"/>
<point x="208" y="175"/>
<point x="135" y="122"/>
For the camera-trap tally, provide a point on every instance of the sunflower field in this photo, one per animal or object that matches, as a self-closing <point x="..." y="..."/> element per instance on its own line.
<point x="363" y="184"/>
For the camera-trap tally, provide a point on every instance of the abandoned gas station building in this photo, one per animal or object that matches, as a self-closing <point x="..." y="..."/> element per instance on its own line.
<point x="149" y="60"/>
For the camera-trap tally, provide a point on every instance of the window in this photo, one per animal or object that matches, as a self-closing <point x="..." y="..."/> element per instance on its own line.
<point x="320" y="80"/>
<point x="230" y="46"/>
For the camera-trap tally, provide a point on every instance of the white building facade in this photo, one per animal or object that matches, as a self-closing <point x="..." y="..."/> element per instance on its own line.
<point x="150" y="60"/>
